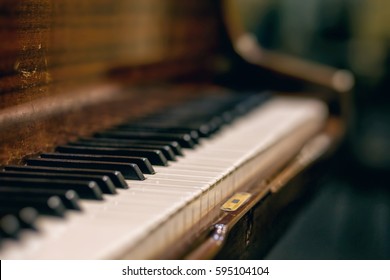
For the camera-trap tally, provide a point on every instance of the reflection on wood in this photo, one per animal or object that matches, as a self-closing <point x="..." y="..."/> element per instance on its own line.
<point x="46" y="42"/>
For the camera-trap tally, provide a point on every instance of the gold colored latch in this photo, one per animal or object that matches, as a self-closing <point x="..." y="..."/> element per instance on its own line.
<point x="236" y="201"/>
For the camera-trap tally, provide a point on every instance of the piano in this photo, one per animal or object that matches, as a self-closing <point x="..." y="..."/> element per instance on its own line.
<point x="153" y="129"/>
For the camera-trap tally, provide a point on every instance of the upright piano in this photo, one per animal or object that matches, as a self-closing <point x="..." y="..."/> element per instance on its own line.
<point x="153" y="129"/>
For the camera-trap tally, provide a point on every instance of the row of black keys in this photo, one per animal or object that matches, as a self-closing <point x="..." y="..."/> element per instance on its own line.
<point x="53" y="183"/>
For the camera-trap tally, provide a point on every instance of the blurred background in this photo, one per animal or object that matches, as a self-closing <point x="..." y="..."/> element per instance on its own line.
<point x="349" y="217"/>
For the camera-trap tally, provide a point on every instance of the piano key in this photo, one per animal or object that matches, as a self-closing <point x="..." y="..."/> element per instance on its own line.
<point x="203" y="129"/>
<point x="69" y="198"/>
<point x="175" y="146"/>
<point x="136" y="127"/>
<point x="129" y="170"/>
<point x="154" y="156"/>
<point x="49" y="206"/>
<point x="193" y="123"/>
<point x="215" y="123"/>
<point x="143" y="163"/>
<point x="207" y="115"/>
<point x="185" y="140"/>
<point x="104" y="182"/>
<point x="27" y="216"/>
<point x="185" y="115"/>
<point x="9" y="225"/>
<point x="181" y="177"/>
<point x="115" y="176"/>
<point x="84" y="189"/>
<point x="165" y="149"/>
<point x="202" y="124"/>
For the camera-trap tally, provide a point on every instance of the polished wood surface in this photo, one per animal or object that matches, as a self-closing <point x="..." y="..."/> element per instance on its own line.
<point x="46" y="42"/>
<point x="63" y="64"/>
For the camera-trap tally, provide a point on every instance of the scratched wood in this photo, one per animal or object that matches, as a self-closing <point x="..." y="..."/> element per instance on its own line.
<point x="46" y="42"/>
<point x="69" y="68"/>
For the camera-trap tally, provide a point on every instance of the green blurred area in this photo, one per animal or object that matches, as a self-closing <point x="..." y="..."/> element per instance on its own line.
<point x="350" y="34"/>
<point x="349" y="218"/>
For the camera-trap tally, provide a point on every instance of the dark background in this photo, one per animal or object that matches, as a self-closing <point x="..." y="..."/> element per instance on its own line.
<point x="349" y="215"/>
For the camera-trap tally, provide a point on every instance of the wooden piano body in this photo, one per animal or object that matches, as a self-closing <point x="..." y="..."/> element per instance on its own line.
<point x="70" y="69"/>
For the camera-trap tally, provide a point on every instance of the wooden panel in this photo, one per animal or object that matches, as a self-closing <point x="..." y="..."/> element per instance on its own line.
<point x="40" y="125"/>
<point x="47" y="42"/>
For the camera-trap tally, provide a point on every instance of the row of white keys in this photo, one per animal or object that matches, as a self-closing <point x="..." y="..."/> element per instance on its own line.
<point x="217" y="185"/>
<point x="140" y="221"/>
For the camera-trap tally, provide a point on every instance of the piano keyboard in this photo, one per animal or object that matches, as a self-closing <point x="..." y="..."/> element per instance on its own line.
<point x="131" y="191"/>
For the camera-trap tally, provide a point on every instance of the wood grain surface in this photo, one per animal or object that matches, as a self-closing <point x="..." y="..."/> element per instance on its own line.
<point x="69" y="68"/>
<point x="48" y="42"/>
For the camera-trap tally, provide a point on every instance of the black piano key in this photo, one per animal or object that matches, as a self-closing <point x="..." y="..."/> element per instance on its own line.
<point x="52" y="206"/>
<point x="205" y="115"/>
<point x="154" y="156"/>
<point x="9" y="225"/>
<point x="227" y="116"/>
<point x="184" y="139"/>
<point x="143" y="163"/>
<point x="203" y="129"/>
<point x="165" y="149"/>
<point x="115" y="176"/>
<point x="69" y="198"/>
<point x="175" y="146"/>
<point x="26" y="216"/>
<point x="188" y="117"/>
<point x="104" y="182"/>
<point x="210" y="124"/>
<point x="129" y="170"/>
<point x="84" y="189"/>
<point x="134" y="127"/>
<point x="249" y="103"/>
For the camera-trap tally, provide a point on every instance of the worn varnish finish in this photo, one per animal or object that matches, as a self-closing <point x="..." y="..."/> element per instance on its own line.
<point x="46" y="42"/>
<point x="58" y="59"/>
<point x="40" y="125"/>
